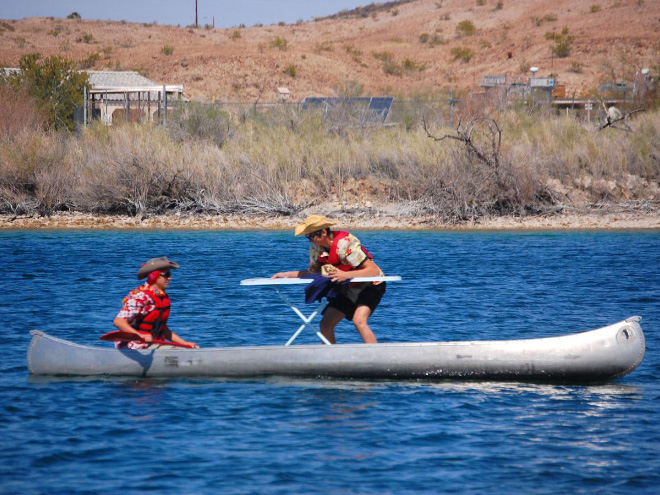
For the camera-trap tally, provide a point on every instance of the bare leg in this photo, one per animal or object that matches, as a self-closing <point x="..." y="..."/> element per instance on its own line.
<point x="362" y="314"/>
<point x="330" y="320"/>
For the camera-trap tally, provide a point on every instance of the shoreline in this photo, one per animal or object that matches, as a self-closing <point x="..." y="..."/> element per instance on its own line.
<point x="616" y="218"/>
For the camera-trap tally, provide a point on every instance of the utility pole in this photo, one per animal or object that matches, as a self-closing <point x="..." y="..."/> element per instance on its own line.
<point x="196" y="24"/>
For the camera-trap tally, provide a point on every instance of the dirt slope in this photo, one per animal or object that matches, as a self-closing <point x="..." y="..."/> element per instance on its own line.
<point x="402" y="50"/>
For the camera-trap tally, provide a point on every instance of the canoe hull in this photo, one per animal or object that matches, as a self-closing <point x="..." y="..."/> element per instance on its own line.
<point x="597" y="355"/>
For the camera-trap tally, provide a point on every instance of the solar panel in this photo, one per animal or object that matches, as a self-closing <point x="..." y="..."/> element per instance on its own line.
<point x="312" y="102"/>
<point x="381" y="105"/>
<point x="368" y="107"/>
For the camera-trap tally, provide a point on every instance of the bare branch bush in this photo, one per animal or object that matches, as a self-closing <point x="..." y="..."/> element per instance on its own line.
<point x="283" y="160"/>
<point x="28" y="163"/>
<point x="192" y="120"/>
<point x="19" y="113"/>
<point x="616" y="119"/>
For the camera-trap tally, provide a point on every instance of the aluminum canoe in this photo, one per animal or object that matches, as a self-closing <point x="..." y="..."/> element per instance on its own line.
<point x="592" y="356"/>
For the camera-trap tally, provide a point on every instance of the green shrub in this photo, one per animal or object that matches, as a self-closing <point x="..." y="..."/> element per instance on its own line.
<point x="167" y="50"/>
<point x="437" y="40"/>
<point x="546" y="18"/>
<point x="392" y="68"/>
<point x="324" y="46"/>
<point x="5" y="26"/>
<point x="290" y="70"/>
<point x="354" y="52"/>
<point x="384" y="56"/>
<point x="279" y="43"/>
<point x="576" y="67"/>
<point x="410" y="65"/>
<point x="562" y="42"/>
<point x="55" y="83"/>
<point x="89" y="62"/>
<point x="462" y="53"/>
<point x="465" y="28"/>
<point x="55" y="32"/>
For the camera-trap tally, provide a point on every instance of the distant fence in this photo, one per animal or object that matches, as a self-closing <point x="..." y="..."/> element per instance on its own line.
<point x="350" y="110"/>
<point x="340" y="112"/>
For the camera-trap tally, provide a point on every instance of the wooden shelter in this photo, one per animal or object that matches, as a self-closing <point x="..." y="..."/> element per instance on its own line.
<point x="127" y="95"/>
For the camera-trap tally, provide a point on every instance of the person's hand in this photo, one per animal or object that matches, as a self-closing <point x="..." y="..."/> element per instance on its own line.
<point x="146" y="336"/>
<point x="192" y="345"/>
<point x="339" y="275"/>
<point x="284" y="275"/>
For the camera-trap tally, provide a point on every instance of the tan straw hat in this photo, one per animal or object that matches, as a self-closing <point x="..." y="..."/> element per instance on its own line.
<point x="312" y="224"/>
<point x="161" y="263"/>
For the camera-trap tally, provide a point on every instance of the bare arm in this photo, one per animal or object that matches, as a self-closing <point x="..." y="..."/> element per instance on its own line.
<point x="175" y="338"/>
<point x="292" y="274"/>
<point x="368" y="269"/>
<point x="123" y="325"/>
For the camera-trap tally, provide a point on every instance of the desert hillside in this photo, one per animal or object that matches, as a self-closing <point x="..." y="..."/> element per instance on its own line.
<point x="398" y="48"/>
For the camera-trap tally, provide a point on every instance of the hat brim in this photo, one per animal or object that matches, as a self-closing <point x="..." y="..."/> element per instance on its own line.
<point x="153" y="265"/>
<point x="307" y="228"/>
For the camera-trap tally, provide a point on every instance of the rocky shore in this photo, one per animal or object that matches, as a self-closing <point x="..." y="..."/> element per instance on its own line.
<point x="387" y="218"/>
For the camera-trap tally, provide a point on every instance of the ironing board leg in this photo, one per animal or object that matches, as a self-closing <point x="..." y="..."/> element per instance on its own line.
<point x="306" y="320"/>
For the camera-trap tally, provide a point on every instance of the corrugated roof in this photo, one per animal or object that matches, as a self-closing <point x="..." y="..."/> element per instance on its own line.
<point x="117" y="79"/>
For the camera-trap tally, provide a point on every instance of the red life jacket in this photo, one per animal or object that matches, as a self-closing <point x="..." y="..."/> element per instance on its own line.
<point x="156" y="320"/>
<point x="333" y="257"/>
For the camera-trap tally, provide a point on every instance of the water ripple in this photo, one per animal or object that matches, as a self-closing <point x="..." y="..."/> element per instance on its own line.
<point x="278" y="436"/>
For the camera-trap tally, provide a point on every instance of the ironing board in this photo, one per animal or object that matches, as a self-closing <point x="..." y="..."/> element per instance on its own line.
<point x="277" y="283"/>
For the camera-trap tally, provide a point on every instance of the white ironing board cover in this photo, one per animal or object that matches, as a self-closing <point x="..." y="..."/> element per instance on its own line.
<point x="291" y="281"/>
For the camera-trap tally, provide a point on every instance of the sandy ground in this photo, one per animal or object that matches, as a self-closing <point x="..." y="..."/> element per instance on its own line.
<point x="611" y="219"/>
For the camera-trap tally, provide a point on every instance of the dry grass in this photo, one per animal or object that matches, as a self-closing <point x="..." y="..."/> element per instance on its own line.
<point x="280" y="164"/>
<point x="18" y="113"/>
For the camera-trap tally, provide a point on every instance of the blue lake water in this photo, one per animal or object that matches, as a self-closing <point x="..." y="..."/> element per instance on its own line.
<point x="282" y="436"/>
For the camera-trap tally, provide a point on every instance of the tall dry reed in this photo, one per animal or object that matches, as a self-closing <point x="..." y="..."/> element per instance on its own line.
<point x="262" y="164"/>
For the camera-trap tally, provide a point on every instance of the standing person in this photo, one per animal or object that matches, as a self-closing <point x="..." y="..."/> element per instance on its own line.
<point x="146" y="309"/>
<point x="340" y="256"/>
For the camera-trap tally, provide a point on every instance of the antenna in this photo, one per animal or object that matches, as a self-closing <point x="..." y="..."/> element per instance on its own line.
<point x="533" y="70"/>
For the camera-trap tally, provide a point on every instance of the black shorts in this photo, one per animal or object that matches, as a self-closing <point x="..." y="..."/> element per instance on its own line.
<point x="370" y="296"/>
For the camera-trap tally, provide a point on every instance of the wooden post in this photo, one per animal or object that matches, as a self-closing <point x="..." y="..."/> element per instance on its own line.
<point x="164" y="105"/>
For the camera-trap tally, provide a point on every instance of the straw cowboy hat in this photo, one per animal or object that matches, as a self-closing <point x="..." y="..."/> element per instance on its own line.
<point x="161" y="263"/>
<point x="313" y="224"/>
